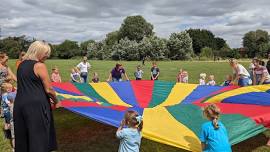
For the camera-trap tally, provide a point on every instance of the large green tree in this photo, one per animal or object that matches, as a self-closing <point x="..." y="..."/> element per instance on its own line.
<point x="84" y="46"/>
<point x="256" y="43"/>
<point x="68" y="49"/>
<point x="180" y="46"/>
<point x="97" y="50"/>
<point x="202" y="38"/>
<point x="14" y="45"/>
<point x="135" y="28"/>
<point x="112" y="38"/>
<point x="153" y="47"/>
<point x="126" y="50"/>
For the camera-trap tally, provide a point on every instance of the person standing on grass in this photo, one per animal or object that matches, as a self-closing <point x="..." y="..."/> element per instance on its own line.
<point x="33" y="119"/>
<point x="240" y="75"/>
<point x="214" y="136"/>
<point x="138" y="73"/>
<point x="117" y="72"/>
<point x="84" y="67"/>
<point x="261" y="75"/>
<point x="154" y="71"/>
<point x="130" y="137"/>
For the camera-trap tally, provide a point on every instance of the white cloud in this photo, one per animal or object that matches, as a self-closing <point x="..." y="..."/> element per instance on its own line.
<point x="81" y="20"/>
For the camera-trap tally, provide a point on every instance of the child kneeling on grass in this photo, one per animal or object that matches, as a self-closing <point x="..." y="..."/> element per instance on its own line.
<point x="214" y="137"/>
<point x="130" y="137"/>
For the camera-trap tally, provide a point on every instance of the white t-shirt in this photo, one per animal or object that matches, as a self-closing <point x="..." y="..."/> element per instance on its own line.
<point x="211" y="83"/>
<point x="83" y="66"/>
<point x="241" y="71"/>
<point x="202" y="82"/>
<point x="185" y="79"/>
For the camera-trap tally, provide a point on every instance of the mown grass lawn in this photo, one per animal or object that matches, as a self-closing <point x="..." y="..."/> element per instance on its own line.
<point x="79" y="134"/>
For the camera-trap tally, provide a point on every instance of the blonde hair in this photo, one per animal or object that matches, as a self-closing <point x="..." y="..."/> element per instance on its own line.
<point x="133" y="119"/>
<point x="35" y="49"/>
<point x="212" y="112"/>
<point x="202" y="75"/>
<point x="233" y="61"/>
<point x="211" y="76"/>
<point x="95" y="74"/>
<point x="5" y="86"/>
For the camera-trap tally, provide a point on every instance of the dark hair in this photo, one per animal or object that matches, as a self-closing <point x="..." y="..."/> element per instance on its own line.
<point x="262" y="63"/>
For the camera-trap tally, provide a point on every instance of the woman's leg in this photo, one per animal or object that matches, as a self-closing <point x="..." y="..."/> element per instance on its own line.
<point x="20" y="129"/>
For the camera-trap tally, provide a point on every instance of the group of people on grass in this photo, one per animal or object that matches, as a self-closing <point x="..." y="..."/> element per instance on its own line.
<point x="27" y="109"/>
<point x="256" y="74"/>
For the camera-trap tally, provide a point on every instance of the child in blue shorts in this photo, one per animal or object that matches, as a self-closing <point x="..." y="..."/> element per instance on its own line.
<point x="130" y="137"/>
<point x="214" y="137"/>
<point x="6" y="88"/>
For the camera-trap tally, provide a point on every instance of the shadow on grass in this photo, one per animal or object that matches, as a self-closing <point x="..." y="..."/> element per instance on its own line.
<point x="76" y="133"/>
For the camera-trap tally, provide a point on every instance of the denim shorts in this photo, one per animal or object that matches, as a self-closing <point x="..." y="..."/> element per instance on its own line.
<point x="243" y="82"/>
<point x="116" y="80"/>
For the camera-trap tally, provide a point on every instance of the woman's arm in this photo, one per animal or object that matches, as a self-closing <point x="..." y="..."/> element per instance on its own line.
<point x="157" y="75"/>
<point x="254" y="80"/>
<point x="12" y="75"/>
<point x="40" y="70"/>
<point x="110" y="77"/>
<point x="152" y="76"/>
<point x="262" y="79"/>
<point x="126" y="76"/>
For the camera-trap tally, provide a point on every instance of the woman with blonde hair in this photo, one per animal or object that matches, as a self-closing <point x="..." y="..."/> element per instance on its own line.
<point x="33" y="119"/>
<point x="240" y="75"/>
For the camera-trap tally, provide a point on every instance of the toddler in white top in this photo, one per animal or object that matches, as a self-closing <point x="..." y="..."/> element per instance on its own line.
<point x="202" y="78"/>
<point x="211" y="81"/>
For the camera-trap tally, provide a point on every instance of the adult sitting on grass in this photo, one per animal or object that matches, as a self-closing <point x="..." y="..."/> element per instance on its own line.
<point x="33" y="119"/>
<point x="261" y="75"/>
<point x="84" y="66"/>
<point x="117" y="72"/>
<point x="240" y="74"/>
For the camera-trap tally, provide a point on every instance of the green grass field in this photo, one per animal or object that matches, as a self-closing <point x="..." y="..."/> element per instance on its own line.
<point x="76" y="133"/>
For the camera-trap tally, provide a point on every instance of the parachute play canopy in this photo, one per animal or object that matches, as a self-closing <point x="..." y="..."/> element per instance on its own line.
<point x="171" y="111"/>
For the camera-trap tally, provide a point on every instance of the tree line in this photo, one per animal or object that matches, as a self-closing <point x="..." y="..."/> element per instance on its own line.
<point x="136" y="40"/>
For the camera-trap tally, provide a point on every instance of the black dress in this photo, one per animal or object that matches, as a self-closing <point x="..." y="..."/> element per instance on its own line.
<point x="33" y="120"/>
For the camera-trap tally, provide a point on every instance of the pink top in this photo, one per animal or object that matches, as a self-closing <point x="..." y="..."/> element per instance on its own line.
<point x="56" y="77"/>
<point x="180" y="77"/>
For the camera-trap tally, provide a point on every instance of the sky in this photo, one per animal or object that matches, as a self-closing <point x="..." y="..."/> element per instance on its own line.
<point x="81" y="20"/>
